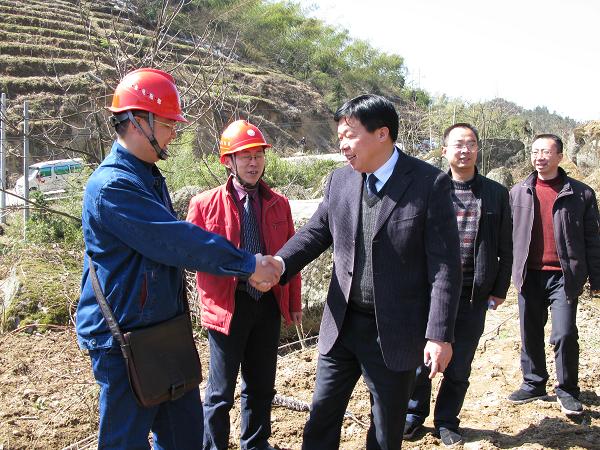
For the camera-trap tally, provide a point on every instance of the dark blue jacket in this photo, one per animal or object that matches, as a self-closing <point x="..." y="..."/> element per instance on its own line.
<point x="139" y="249"/>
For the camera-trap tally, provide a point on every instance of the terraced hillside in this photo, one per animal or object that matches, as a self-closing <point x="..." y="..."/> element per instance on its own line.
<point x="65" y="57"/>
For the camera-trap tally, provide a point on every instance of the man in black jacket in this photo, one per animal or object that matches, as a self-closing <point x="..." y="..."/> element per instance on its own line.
<point x="395" y="282"/>
<point x="557" y="248"/>
<point x="484" y="227"/>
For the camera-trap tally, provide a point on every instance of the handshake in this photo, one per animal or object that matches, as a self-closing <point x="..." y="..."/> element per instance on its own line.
<point x="267" y="273"/>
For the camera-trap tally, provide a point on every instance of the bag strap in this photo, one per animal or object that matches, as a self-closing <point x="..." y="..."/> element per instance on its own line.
<point x="110" y="317"/>
<point x="107" y="311"/>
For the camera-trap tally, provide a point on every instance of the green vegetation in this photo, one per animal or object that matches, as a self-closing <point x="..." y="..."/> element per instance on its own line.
<point x="280" y="34"/>
<point x="183" y="168"/>
<point x="47" y="227"/>
<point x="18" y="85"/>
<point x="497" y="119"/>
<point x="48" y="264"/>
<point x="49" y="278"/>
<point x="53" y="41"/>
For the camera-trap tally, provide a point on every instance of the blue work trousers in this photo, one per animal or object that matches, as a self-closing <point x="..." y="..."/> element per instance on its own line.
<point x="176" y="425"/>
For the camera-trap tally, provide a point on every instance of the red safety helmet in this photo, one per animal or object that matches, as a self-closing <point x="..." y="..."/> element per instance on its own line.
<point x="240" y="135"/>
<point x="149" y="90"/>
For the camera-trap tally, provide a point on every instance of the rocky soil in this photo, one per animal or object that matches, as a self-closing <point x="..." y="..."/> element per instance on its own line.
<point x="48" y="395"/>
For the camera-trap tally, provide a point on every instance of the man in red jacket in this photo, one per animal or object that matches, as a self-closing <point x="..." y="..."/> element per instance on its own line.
<point x="243" y="323"/>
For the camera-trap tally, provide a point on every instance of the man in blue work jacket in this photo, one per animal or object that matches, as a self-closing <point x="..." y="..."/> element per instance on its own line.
<point x="139" y="248"/>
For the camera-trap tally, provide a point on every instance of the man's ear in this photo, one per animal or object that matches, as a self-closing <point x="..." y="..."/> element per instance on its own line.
<point x="382" y="134"/>
<point x="227" y="161"/>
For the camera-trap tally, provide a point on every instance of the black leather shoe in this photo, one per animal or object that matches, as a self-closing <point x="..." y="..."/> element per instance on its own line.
<point x="411" y="428"/>
<point x="569" y="405"/>
<point x="520" y="396"/>
<point x="450" y="438"/>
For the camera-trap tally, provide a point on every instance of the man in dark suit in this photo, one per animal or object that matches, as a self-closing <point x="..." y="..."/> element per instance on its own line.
<point x="396" y="278"/>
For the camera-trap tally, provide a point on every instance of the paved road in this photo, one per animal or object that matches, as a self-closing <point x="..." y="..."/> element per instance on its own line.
<point x="303" y="209"/>
<point x="311" y="158"/>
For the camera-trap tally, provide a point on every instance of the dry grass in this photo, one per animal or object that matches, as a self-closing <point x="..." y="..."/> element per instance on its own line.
<point x="593" y="180"/>
<point x="19" y="66"/>
<point x="36" y="13"/>
<point x="28" y="30"/>
<point x="43" y="23"/>
<point x="21" y="86"/>
<point x="51" y="41"/>
<point x="21" y="49"/>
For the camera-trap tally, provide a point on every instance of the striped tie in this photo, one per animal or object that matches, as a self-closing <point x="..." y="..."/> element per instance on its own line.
<point x="251" y="238"/>
<point x="371" y="180"/>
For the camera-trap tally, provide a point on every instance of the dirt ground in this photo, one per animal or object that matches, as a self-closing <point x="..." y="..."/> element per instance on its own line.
<point x="48" y="395"/>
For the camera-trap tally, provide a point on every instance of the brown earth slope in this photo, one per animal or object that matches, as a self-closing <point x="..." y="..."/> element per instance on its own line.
<point x="48" y="396"/>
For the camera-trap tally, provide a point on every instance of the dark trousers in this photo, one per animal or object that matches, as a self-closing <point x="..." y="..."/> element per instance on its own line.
<point x="252" y="344"/>
<point x="542" y="290"/>
<point x="356" y="352"/>
<point x="125" y="425"/>
<point x="470" y="323"/>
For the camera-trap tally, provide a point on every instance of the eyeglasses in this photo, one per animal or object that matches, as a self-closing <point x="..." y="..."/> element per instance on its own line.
<point x="469" y="146"/>
<point x="545" y="152"/>
<point x="173" y="126"/>
<point x="259" y="157"/>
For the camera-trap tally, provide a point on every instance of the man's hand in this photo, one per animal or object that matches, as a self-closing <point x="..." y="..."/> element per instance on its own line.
<point x="437" y="355"/>
<point x="494" y="302"/>
<point x="297" y="317"/>
<point x="277" y="261"/>
<point x="266" y="274"/>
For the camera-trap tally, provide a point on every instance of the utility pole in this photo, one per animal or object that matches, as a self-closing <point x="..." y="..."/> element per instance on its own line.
<point x="25" y="166"/>
<point x="3" y="170"/>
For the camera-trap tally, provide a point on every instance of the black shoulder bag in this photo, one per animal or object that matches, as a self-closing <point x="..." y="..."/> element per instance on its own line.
<point x="162" y="360"/>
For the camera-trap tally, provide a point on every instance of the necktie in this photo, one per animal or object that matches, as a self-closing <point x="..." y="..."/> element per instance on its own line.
<point x="371" y="180"/>
<point x="251" y="238"/>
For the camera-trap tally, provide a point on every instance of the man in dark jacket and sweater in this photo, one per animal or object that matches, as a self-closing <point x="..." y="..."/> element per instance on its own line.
<point x="557" y="248"/>
<point x="484" y="226"/>
<point x="395" y="281"/>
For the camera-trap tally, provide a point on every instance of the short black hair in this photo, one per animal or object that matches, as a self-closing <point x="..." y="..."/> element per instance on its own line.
<point x="372" y="111"/>
<point x="121" y="127"/>
<point x="558" y="141"/>
<point x="459" y="125"/>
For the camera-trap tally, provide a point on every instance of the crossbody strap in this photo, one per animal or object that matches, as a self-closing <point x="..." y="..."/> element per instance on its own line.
<point x="106" y="311"/>
<point x="110" y="317"/>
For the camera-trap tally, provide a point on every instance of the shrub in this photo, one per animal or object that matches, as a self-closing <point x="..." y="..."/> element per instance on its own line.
<point x="183" y="168"/>
<point x="298" y="180"/>
<point x="45" y="226"/>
